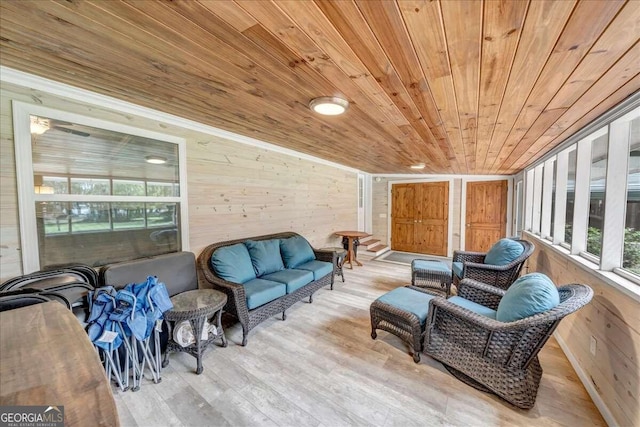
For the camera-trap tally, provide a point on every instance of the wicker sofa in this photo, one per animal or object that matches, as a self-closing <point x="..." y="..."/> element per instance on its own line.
<point x="241" y="303"/>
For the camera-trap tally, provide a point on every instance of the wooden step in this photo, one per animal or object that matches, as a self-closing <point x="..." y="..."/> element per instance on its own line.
<point x="378" y="249"/>
<point x="369" y="243"/>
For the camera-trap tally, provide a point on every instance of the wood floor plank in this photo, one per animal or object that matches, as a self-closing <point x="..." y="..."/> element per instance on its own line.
<point x="320" y="367"/>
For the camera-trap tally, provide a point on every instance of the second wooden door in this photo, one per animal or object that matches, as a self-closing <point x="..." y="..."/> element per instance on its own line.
<point x="420" y="217"/>
<point x="486" y="216"/>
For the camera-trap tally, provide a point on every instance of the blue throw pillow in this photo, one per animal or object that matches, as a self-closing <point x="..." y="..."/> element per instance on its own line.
<point x="529" y="295"/>
<point x="265" y="256"/>
<point x="233" y="263"/>
<point x="503" y="252"/>
<point x="296" y="251"/>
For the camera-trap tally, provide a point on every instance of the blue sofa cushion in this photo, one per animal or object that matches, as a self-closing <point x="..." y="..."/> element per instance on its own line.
<point x="503" y="252"/>
<point x="318" y="268"/>
<point x="457" y="268"/>
<point x="529" y="295"/>
<point x="296" y="251"/>
<point x="233" y="263"/>
<point x="475" y="307"/>
<point x="260" y="291"/>
<point x="265" y="256"/>
<point x="406" y="299"/>
<point x="293" y="279"/>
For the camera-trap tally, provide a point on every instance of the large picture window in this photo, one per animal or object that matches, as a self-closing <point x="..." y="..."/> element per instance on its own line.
<point x="94" y="192"/>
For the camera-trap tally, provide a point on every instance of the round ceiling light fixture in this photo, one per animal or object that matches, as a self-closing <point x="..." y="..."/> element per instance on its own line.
<point x="156" y="160"/>
<point x="329" y="105"/>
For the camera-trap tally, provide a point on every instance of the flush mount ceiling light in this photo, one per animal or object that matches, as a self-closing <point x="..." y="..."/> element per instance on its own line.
<point x="156" y="160"/>
<point x="418" y="166"/>
<point x="329" y="105"/>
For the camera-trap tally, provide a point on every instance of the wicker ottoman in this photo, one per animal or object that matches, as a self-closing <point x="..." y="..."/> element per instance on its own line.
<point x="402" y="312"/>
<point x="431" y="274"/>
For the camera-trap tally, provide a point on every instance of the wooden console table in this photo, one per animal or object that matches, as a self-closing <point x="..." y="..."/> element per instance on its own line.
<point x="48" y="359"/>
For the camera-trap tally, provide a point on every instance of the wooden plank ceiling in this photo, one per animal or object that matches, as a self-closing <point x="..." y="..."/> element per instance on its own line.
<point x="462" y="86"/>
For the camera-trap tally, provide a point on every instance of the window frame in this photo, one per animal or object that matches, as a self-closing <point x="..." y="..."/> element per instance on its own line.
<point x="25" y="181"/>
<point x="615" y="124"/>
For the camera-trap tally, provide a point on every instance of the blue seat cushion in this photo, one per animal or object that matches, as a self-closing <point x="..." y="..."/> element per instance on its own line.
<point x="293" y="279"/>
<point x="475" y="307"/>
<point x="503" y="252"/>
<point x="432" y="265"/>
<point x="457" y="268"/>
<point x="260" y="291"/>
<point x="296" y="251"/>
<point x="408" y="300"/>
<point x="318" y="268"/>
<point x="529" y="295"/>
<point x="233" y="263"/>
<point x="265" y="256"/>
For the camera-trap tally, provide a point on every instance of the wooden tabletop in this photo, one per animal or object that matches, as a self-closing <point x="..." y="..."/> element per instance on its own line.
<point x="352" y="233"/>
<point x="46" y="358"/>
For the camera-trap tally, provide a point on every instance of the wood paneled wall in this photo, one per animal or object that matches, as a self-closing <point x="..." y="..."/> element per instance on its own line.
<point x="380" y="209"/>
<point x="613" y="318"/>
<point x="235" y="190"/>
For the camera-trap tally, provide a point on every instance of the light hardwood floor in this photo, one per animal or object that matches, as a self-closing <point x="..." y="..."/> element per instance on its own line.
<point x="320" y="367"/>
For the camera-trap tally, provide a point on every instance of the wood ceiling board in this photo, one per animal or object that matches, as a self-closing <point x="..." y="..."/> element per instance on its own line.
<point x="611" y="101"/>
<point x="251" y="68"/>
<point x="588" y="22"/>
<point x="618" y="76"/>
<point x="543" y="25"/>
<point x="349" y="21"/>
<point x="176" y="90"/>
<point x="434" y="61"/>
<point x="386" y="22"/>
<point x="622" y="33"/>
<point x="299" y="41"/>
<point x="502" y="26"/>
<point x="323" y="33"/>
<point x="463" y="31"/>
<point x="229" y="12"/>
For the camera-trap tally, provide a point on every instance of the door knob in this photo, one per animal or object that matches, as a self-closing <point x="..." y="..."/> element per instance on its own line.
<point x="415" y="220"/>
<point x="468" y="225"/>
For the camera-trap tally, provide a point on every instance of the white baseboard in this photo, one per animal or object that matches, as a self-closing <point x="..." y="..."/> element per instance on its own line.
<point x="597" y="400"/>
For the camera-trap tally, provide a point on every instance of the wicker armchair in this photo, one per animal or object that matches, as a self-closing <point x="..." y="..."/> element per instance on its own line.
<point x="501" y="276"/>
<point x="493" y="356"/>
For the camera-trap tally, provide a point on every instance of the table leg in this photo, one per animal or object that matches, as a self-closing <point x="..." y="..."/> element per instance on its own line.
<point x="350" y="254"/>
<point x="197" y="325"/>
<point x="220" y="330"/>
<point x="355" y="259"/>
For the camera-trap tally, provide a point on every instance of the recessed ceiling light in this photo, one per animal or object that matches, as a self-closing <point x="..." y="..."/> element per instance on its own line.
<point x="156" y="160"/>
<point x="418" y="166"/>
<point x="329" y="105"/>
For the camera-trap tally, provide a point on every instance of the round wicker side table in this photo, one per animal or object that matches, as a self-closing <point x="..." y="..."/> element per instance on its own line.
<point x="196" y="306"/>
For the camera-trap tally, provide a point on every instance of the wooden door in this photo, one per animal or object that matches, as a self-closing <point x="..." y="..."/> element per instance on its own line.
<point x="404" y="214"/>
<point x="420" y="218"/>
<point x="486" y="216"/>
<point x="431" y="234"/>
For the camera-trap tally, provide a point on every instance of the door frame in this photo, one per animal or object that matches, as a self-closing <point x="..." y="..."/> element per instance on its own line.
<point x="390" y="185"/>
<point x="463" y="204"/>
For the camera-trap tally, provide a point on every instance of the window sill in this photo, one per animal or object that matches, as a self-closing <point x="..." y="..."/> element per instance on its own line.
<point x="616" y="281"/>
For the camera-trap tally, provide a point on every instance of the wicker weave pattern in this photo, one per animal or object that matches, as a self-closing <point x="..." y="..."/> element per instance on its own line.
<point x="501" y="276"/>
<point x="501" y="356"/>
<point x="436" y="280"/>
<point x="236" y="297"/>
<point x="400" y="323"/>
<point x="486" y="295"/>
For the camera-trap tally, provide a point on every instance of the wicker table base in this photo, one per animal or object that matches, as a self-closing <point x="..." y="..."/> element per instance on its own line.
<point x="196" y="306"/>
